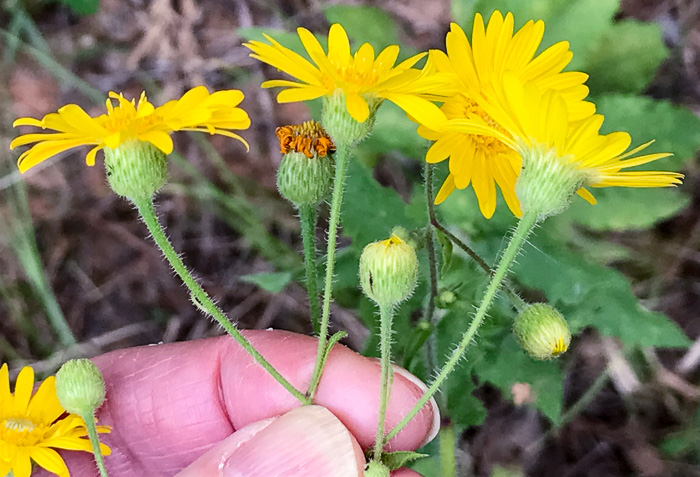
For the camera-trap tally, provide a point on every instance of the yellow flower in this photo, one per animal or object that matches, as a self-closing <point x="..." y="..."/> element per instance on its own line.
<point x="32" y="427"/>
<point x="495" y="49"/>
<point x="196" y="110"/>
<point x="561" y="153"/>
<point x="365" y="81"/>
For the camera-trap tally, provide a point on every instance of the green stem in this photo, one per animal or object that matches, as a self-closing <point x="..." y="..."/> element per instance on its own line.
<point x="386" y="313"/>
<point x="515" y="299"/>
<point x="341" y="164"/>
<point x="307" y="214"/>
<point x="448" y="463"/>
<point x="95" y="441"/>
<point x="430" y="315"/>
<point x="200" y="297"/>
<point x="523" y="229"/>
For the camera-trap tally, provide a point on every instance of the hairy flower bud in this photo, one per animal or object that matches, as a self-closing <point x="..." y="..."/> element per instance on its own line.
<point x="136" y="169"/>
<point x="388" y="271"/>
<point x="80" y="387"/>
<point x="542" y="331"/>
<point x="342" y="127"/>
<point x="305" y="175"/>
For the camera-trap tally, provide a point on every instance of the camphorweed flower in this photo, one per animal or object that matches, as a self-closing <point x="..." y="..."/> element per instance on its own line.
<point x="129" y="120"/>
<point x="562" y="155"/>
<point x="356" y="84"/>
<point x="32" y="427"/>
<point x="475" y="69"/>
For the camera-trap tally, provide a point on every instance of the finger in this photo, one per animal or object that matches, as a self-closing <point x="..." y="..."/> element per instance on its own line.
<point x="304" y="442"/>
<point x="170" y="403"/>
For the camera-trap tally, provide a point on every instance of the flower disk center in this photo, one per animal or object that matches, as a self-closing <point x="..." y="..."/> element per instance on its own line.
<point x="463" y="107"/>
<point x="21" y="431"/>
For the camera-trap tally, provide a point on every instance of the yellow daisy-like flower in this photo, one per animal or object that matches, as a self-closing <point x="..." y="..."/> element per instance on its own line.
<point x="363" y="79"/>
<point x="475" y="68"/>
<point x="562" y="155"/>
<point x="31" y="427"/>
<point x="196" y="110"/>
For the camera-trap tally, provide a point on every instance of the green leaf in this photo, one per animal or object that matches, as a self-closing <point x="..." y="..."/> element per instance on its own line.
<point x="374" y="210"/>
<point x="626" y="58"/>
<point x="364" y="24"/>
<point x="83" y="7"/>
<point x="509" y="364"/>
<point x="398" y="459"/>
<point x="393" y="131"/>
<point x="272" y="282"/>
<point x="446" y="254"/>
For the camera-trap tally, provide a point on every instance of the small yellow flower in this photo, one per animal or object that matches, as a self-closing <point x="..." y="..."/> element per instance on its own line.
<point x="196" y="110"/>
<point x="31" y="427"/>
<point x="562" y="155"/>
<point x="475" y="69"/>
<point x="363" y="79"/>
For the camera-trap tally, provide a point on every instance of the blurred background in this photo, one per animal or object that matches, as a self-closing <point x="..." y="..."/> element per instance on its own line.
<point x="77" y="277"/>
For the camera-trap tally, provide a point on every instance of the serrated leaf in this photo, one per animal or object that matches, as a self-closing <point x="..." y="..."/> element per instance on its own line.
<point x="364" y="24"/>
<point x="272" y="282"/>
<point x="626" y="58"/>
<point x="398" y="459"/>
<point x="509" y="364"/>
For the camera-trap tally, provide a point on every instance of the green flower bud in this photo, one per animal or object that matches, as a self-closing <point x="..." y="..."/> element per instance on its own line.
<point x="136" y="169"/>
<point x="542" y="331"/>
<point x="376" y="469"/>
<point x="80" y="387"/>
<point x="445" y="299"/>
<point x="388" y="271"/>
<point x="305" y="176"/>
<point x="342" y="127"/>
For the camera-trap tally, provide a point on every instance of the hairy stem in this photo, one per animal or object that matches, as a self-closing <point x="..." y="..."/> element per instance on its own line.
<point x="200" y="297"/>
<point x="89" y="420"/>
<point x="386" y="316"/>
<point x="341" y="158"/>
<point x="523" y="229"/>
<point x="307" y="214"/>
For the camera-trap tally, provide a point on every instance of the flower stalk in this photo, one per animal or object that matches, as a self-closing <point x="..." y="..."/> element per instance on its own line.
<point x="341" y="164"/>
<point x="202" y="299"/>
<point x="524" y="228"/>
<point x="307" y="216"/>
<point x="386" y="313"/>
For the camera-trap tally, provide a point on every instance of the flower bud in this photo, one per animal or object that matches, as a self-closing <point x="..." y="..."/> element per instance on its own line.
<point x="342" y="127"/>
<point x="136" y="169"/>
<point x="388" y="271"/>
<point x="542" y="331"/>
<point x="376" y="469"/>
<point x="305" y="175"/>
<point x="80" y="387"/>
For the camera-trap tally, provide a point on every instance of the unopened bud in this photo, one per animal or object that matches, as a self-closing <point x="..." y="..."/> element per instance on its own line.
<point x="542" y="331"/>
<point x="305" y="175"/>
<point x="388" y="271"/>
<point x="80" y="387"/>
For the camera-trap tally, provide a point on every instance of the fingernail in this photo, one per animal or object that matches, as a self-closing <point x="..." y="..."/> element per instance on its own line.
<point x="435" y="428"/>
<point x="306" y="441"/>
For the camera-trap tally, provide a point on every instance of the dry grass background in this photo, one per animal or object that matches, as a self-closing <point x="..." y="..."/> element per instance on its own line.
<point x="115" y="290"/>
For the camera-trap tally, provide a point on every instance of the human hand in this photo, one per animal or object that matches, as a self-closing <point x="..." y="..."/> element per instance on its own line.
<point x="190" y="405"/>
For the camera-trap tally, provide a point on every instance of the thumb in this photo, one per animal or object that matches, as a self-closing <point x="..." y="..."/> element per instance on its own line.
<point x="307" y="441"/>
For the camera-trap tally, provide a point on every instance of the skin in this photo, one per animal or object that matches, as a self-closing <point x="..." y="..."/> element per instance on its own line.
<point x="204" y="406"/>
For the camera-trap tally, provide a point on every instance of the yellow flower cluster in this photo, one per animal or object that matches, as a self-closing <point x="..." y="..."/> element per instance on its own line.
<point x="500" y="102"/>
